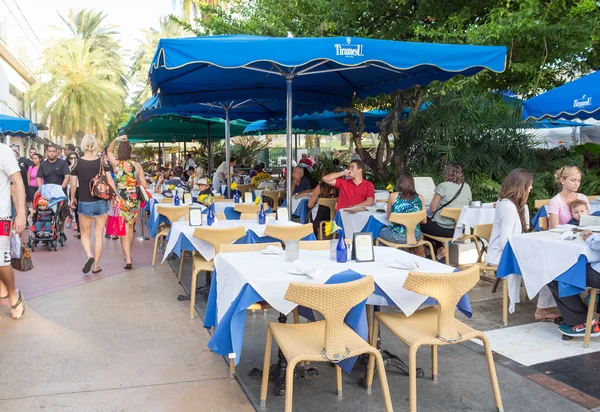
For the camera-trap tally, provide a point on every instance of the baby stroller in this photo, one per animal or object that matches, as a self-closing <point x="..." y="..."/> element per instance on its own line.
<point x="57" y="202"/>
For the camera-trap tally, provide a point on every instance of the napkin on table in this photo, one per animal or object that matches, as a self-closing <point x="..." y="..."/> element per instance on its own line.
<point x="568" y="235"/>
<point x="305" y="269"/>
<point x="406" y="262"/>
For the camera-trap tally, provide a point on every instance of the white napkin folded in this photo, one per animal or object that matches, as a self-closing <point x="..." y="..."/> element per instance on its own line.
<point x="568" y="235"/>
<point x="272" y="250"/>
<point x="305" y="269"/>
<point x="405" y="263"/>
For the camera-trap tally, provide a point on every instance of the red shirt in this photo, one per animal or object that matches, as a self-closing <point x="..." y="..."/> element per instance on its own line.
<point x="352" y="194"/>
<point x="308" y="161"/>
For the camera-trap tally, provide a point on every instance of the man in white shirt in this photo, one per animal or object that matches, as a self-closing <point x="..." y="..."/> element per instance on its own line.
<point x="10" y="173"/>
<point x="572" y="308"/>
<point x="189" y="162"/>
<point x="220" y="176"/>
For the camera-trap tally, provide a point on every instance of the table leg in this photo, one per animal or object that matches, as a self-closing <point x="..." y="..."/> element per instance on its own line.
<point x="389" y="359"/>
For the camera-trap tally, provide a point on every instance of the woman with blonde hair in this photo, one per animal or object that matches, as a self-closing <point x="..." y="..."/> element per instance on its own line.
<point x="129" y="176"/>
<point x="511" y="218"/>
<point x="559" y="208"/>
<point x="89" y="207"/>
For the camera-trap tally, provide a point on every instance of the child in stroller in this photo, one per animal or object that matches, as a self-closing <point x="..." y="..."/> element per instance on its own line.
<point x="43" y="219"/>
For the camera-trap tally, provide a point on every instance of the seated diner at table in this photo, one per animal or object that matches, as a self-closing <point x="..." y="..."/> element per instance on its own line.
<point x="166" y="187"/>
<point x="453" y="192"/>
<point x="511" y="218"/>
<point x="572" y="308"/>
<point x="203" y="187"/>
<point x="404" y="200"/>
<point x="354" y="189"/>
<point x="559" y="208"/>
<point x="324" y="191"/>
<point x="300" y="183"/>
<point x="578" y="208"/>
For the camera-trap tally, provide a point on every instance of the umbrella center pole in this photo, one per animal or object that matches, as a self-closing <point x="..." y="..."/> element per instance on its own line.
<point x="288" y="164"/>
<point x="227" y="193"/>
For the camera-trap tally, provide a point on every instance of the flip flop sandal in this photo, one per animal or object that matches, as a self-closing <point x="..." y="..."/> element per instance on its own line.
<point x="88" y="265"/>
<point x="97" y="271"/>
<point x="20" y="301"/>
<point x="129" y="266"/>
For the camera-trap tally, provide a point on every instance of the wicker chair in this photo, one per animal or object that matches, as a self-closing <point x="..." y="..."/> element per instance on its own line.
<point x="166" y="200"/>
<point x="285" y="233"/>
<point x="330" y="203"/>
<point x="248" y="208"/>
<point x="436" y="326"/>
<point x="590" y="317"/>
<point x="541" y="203"/>
<point x="221" y="199"/>
<point x="410" y="221"/>
<point x="173" y="214"/>
<point x="244" y="189"/>
<point x="543" y="223"/>
<point x="271" y="197"/>
<point x="216" y="237"/>
<point x="317" y="244"/>
<point x="451" y="213"/>
<point x="326" y="340"/>
<point x="481" y="237"/>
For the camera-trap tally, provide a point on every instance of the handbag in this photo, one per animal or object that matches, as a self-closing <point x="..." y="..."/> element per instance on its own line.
<point x="115" y="224"/>
<point x="99" y="186"/>
<point x="432" y="215"/>
<point x="20" y="254"/>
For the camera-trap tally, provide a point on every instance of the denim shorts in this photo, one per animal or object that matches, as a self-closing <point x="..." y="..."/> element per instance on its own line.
<point x="93" y="209"/>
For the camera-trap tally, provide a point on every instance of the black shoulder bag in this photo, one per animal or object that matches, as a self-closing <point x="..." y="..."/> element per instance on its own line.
<point x="432" y="215"/>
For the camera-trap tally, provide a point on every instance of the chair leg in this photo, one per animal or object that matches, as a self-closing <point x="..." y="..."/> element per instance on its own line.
<point x="296" y="316"/>
<point x="492" y="370"/>
<point x="431" y="250"/>
<point x="338" y="379"/>
<point x="412" y="378"/>
<point x="590" y="318"/>
<point x="369" y="322"/>
<point x="181" y="260"/>
<point x="505" y="301"/>
<point x="385" y="389"/>
<point x="377" y="242"/>
<point x="266" y="365"/>
<point x="289" y="386"/>
<point x="496" y="284"/>
<point x="232" y="368"/>
<point x="447" y="248"/>
<point x="434" y="362"/>
<point x="193" y="293"/>
<point x="155" y="247"/>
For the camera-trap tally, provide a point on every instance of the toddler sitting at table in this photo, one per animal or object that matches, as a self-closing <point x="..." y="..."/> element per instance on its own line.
<point x="578" y="208"/>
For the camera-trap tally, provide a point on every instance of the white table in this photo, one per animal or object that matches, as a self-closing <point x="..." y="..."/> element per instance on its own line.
<point x="381" y="195"/>
<point x="355" y="222"/>
<point x="471" y="216"/>
<point x="269" y="276"/>
<point x="206" y="249"/>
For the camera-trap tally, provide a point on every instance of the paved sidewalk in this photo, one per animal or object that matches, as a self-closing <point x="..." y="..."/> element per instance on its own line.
<point x="122" y="343"/>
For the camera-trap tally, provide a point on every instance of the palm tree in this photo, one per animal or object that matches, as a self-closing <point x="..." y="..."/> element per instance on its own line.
<point x="82" y="92"/>
<point x="144" y="54"/>
<point x="192" y="8"/>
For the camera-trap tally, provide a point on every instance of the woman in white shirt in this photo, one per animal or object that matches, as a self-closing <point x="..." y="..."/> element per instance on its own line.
<point x="510" y="219"/>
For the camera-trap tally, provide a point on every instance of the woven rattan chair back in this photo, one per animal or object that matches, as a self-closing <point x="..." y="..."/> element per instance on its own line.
<point x="285" y="233"/>
<point x="248" y="208"/>
<point x="483" y="231"/>
<point x="333" y="302"/>
<point x="245" y="247"/>
<point x="244" y="189"/>
<point x="410" y="221"/>
<point x="166" y="200"/>
<point x="314" y="244"/>
<point x="219" y="236"/>
<point x="271" y="197"/>
<point x="173" y="213"/>
<point x="451" y="213"/>
<point x="541" y="203"/>
<point x="447" y="289"/>
<point x="330" y="203"/>
<point x="222" y="200"/>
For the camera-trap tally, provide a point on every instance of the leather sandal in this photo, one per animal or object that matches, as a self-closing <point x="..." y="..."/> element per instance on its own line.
<point x="20" y="301"/>
<point x="545" y="315"/>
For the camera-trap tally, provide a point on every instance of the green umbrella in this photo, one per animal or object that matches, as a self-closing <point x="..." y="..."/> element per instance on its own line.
<point x="168" y="128"/>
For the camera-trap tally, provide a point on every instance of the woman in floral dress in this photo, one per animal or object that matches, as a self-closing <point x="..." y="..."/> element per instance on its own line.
<point x="128" y="176"/>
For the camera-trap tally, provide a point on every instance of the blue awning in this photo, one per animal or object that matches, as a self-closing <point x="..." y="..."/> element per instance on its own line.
<point x="579" y="99"/>
<point x="16" y="126"/>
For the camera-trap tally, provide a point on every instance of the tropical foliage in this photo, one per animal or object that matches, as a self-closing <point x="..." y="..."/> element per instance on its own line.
<point x="85" y="79"/>
<point x="247" y="149"/>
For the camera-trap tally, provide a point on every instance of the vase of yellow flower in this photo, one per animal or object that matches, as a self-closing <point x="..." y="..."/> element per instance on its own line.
<point x="341" y="250"/>
<point x="210" y="215"/>
<point x="176" y="200"/>
<point x="262" y="216"/>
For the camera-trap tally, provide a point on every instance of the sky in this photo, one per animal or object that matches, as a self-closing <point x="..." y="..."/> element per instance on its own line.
<point x="129" y="16"/>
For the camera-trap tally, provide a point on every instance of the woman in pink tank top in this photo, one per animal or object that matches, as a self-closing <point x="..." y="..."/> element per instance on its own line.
<point x="559" y="208"/>
<point x="31" y="176"/>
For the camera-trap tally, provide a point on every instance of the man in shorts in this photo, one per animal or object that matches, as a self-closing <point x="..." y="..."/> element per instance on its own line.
<point x="10" y="174"/>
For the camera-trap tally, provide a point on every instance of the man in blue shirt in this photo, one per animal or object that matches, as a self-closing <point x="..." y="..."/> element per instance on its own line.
<point x="300" y="183"/>
<point x="572" y="308"/>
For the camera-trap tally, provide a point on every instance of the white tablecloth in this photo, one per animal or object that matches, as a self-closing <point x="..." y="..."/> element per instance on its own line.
<point x="542" y="257"/>
<point x="205" y="248"/>
<point x="167" y="205"/>
<point x="471" y="216"/>
<point x="355" y="222"/>
<point x="269" y="276"/>
<point x="381" y="195"/>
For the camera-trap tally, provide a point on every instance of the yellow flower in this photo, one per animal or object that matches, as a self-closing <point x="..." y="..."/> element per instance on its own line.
<point x="205" y="199"/>
<point x="389" y="188"/>
<point x="171" y="187"/>
<point x="257" y="200"/>
<point x="208" y="181"/>
<point x="331" y="227"/>
<point x="155" y="178"/>
<point x="233" y="186"/>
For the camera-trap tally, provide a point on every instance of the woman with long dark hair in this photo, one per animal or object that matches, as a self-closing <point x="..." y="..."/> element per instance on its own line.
<point x="325" y="191"/>
<point x="511" y="218"/>
<point x="129" y="175"/>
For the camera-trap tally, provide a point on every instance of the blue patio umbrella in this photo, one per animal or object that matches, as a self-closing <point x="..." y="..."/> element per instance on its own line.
<point x="553" y="124"/>
<point x="17" y="126"/>
<point x="240" y="72"/>
<point x="579" y="99"/>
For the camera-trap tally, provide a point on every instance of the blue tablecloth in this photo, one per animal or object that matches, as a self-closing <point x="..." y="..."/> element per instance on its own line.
<point x="535" y="221"/>
<point x="571" y="282"/>
<point x="302" y="211"/>
<point x="373" y="225"/>
<point x="229" y="334"/>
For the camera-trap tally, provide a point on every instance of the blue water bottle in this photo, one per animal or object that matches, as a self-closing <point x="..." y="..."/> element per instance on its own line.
<point x="341" y="251"/>
<point x="262" y="216"/>
<point x="176" y="200"/>
<point x="210" y="215"/>
<point x="236" y="197"/>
